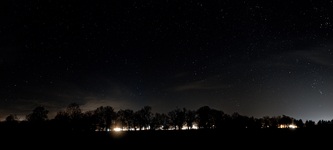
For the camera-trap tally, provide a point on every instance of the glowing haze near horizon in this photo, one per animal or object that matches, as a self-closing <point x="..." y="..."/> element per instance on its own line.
<point x="257" y="58"/>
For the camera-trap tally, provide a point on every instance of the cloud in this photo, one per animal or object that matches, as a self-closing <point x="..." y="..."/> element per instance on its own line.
<point x="320" y="56"/>
<point x="116" y="103"/>
<point x="206" y="84"/>
<point x="297" y="59"/>
<point x="58" y="96"/>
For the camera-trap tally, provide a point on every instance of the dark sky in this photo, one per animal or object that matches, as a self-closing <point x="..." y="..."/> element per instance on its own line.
<point x="258" y="58"/>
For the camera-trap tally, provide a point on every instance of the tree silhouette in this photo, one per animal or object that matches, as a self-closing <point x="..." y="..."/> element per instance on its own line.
<point x="105" y="115"/>
<point x="88" y="122"/>
<point x="216" y="118"/>
<point x="190" y="118"/>
<point x="309" y="124"/>
<point x="62" y="121"/>
<point x="62" y="116"/>
<point x="39" y="114"/>
<point x="177" y="117"/>
<point x="11" y="122"/>
<point x="72" y="116"/>
<point x="266" y="122"/>
<point x="254" y="123"/>
<point x="125" y="117"/>
<point x="144" y="117"/>
<point x="274" y="121"/>
<point x="11" y="118"/>
<point x="164" y="120"/>
<point x="136" y="120"/>
<point x="239" y="121"/>
<point x="74" y="111"/>
<point x="129" y="117"/>
<point x="285" y="120"/>
<point x="155" y="121"/>
<point x="299" y="123"/>
<point x="204" y="117"/>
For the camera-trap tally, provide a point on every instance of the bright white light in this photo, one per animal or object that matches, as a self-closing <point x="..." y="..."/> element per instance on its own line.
<point x="195" y="126"/>
<point x="292" y="126"/>
<point x="117" y="129"/>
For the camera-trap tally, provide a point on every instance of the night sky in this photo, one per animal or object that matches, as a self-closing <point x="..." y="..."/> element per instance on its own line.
<point x="258" y="58"/>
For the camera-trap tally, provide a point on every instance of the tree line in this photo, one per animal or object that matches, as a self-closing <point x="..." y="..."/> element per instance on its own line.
<point x="105" y="118"/>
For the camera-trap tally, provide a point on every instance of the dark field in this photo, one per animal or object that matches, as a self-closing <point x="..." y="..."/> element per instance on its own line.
<point x="212" y="139"/>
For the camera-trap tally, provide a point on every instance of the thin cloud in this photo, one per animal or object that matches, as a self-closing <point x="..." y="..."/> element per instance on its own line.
<point x="116" y="103"/>
<point x="317" y="56"/>
<point x="206" y="84"/>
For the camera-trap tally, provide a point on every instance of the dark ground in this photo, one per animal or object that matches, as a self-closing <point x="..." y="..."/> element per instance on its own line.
<point x="197" y="139"/>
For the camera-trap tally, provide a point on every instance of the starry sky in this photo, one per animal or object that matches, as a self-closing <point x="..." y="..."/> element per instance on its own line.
<point x="258" y="58"/>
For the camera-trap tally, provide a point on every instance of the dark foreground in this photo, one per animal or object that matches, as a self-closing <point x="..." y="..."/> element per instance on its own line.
<point x="207" y="139"/>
